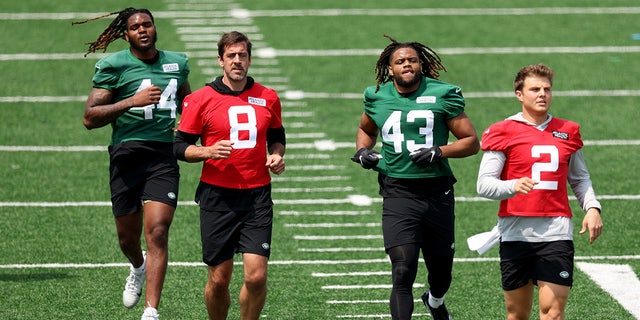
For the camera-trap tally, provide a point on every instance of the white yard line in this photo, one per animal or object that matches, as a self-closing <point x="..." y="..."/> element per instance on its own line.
<point x="211" y="13"/>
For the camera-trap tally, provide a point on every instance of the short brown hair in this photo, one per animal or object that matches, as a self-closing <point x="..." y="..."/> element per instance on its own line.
<point x="230" y="38"/>
<point x="539" y="70"/>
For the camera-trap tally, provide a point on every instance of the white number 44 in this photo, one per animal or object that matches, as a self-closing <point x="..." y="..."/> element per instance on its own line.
<point x="167" y="100"/>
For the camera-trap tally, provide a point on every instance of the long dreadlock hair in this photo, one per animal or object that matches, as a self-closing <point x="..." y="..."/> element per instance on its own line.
<point x="431" y="63"/>
<point x="116" y="30"/>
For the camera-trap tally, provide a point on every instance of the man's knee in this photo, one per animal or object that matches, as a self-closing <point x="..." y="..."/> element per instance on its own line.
<point x="403" y="273"/>
<point x="256" y="280"/>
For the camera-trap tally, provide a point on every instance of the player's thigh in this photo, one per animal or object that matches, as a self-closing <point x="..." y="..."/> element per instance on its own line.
<point x="553" y="297"/>
<point x="518" y="302"/>
<point x="219" y="240"/>
<point x="401" y="222"/>
<point x="256" y="232"/>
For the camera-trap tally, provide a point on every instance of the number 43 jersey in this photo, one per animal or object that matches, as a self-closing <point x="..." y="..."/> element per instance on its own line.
<point x="410" y="122"/>
<point x="241" y="117"/>
<point x="542" y="155"/>
<point x="124" y="75"/>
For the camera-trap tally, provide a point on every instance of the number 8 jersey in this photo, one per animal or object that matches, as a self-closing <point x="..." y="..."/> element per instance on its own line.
<point x="542" y="155"/>
<point x="242" y="117"/>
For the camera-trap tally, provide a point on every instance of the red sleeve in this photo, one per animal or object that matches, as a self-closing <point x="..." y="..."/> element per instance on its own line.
<point x="276" y="112"/>
<point x="191" y="119"/>
<point x="494" y="138"/>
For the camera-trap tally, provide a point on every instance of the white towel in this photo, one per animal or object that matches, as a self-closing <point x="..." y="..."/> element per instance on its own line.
<point x="484" y="241"/>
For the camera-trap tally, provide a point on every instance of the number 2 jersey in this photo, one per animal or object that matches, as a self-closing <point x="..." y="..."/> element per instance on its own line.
<point x="542" y="155"/>
<point x="411" y="122"/>
<point x="123" y="74"/>
<point x="242" y="117"/>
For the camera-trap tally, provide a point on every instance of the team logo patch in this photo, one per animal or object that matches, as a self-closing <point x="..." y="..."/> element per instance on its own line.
<point x="564" y="274"/>
<point x="171" y="195"/>
<point x="258" y="101"/>
<point x="560" y="135"/>
<point x="170" y="67"/>
<point x="265" y="246"/>
<point x="426" y="99"/>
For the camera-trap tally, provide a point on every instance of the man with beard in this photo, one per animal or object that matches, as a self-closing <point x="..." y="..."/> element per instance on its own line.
<point x="414" y="113"/>
<point x="239" y="124"/>
<point x="137" y="91"/>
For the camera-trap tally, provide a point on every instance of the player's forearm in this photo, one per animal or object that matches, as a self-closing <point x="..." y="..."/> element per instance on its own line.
<point x="580" y="182"/>
<point x="461" y="148"/>
<point x="277" y="148"/>
<point x="489" y="184"/>
<point x="98" y="113"/>
<point x="365" y="140"/>
<point x="195" y="153"/>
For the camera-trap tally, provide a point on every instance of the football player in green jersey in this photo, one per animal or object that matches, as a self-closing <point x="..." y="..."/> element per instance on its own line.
<point x="414" y="112"/>
<point x="138" y="91"/>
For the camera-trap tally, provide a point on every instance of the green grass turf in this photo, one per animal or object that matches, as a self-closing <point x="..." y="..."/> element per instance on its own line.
<point x="32" y="237"/>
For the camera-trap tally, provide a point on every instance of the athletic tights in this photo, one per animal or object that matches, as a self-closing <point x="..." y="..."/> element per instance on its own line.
<point x="404" y="264"/>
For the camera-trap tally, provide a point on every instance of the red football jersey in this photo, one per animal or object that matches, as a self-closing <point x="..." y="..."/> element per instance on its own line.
<point x="243" y="119"/>
<point x="540" y="155"/>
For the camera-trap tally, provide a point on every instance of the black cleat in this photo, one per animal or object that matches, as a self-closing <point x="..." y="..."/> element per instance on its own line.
<point x="439" y="313"/>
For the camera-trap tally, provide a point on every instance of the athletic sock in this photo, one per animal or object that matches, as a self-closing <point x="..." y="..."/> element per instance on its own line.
<point x="141" y="268"/>
<point x="435" y="302"/>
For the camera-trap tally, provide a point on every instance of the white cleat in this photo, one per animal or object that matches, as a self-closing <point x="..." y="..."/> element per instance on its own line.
<point x="133" y="287"/>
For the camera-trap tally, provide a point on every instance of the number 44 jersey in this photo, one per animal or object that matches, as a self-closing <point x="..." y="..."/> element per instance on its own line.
<point x="124" y="75"/>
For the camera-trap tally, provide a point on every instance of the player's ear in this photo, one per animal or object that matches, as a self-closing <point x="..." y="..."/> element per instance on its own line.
<point x="390" y="70"/>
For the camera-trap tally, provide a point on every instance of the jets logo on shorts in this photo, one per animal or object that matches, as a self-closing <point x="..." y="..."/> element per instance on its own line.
<point x="171" y="195"/>
<point x="265" y="246"/>
<point x="564" y="274"/>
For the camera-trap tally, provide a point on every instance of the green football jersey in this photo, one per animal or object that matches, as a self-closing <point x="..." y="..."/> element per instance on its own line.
<point x="408" y="123"/>
<point x="123" y="74"/>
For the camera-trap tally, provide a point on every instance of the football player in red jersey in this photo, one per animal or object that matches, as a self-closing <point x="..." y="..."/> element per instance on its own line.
<point x="239" y="124"/>
<point x="528" y="160"/>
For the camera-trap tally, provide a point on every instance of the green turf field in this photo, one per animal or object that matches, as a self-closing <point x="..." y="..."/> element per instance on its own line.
<point x="59" y="257"/>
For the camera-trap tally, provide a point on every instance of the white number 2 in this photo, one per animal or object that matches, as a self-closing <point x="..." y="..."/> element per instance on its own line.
<point x="250" y="126"/>
<point x="538" y="167"/>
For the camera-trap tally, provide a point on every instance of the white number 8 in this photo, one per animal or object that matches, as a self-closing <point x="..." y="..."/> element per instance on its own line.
<point x="250" y="126"/>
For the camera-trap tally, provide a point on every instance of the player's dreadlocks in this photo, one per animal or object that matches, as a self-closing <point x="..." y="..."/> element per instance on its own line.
<point x="114" y="31"/>
<point x="429" y="59"/>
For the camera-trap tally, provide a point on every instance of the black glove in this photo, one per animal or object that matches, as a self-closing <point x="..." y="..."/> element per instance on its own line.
<point x="367" y="158"/>
<point x="425" y="157"/>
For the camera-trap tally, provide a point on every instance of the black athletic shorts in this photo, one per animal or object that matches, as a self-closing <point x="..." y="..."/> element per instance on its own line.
<point x="427" y="221"/>
<point x="521" y="262"/>
<point x="142" y="171"/>
<point x="233" y="221"/>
